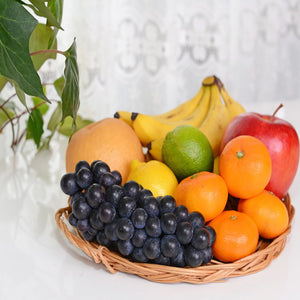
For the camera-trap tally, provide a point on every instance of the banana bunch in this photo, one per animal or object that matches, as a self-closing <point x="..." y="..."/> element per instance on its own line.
<point x="177" y="114"/>
<point x="206" y="111"/>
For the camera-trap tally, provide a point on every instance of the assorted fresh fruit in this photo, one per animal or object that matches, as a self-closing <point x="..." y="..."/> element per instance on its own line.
<point x="206" y="111"/>
<point x="129" y="219"/>
<point x="203" y="180"/>
<point x="281" y="139"/>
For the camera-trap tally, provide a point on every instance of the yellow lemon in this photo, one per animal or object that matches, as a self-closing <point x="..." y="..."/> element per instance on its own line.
<point x="154" y="176"/>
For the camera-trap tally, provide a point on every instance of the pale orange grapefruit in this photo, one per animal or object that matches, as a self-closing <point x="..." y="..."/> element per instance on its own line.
<point x="110" y="140"/>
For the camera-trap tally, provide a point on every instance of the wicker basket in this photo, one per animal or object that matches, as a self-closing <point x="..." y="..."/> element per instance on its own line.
<point x="215" y="271"/>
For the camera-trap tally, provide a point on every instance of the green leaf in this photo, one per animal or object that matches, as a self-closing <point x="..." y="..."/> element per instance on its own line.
<point x="3" y="81"/>
<point x="43" y="107"/>
<point x="70" y="94"/>
<point x="43" y="11"/>
<point x="39" y="40"/>
<point x="20" y="94"/>
<point x="59" y="85"/>
<point x="5" y="115"/>
<point x="35" y="127"/>
<point x="16" y="26"/>
<point x="56" y="7"/>
<point x="55" y="118"/>
<point x="67" y="126"/>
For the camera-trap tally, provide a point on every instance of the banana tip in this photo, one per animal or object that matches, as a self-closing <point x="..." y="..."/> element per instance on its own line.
<point x="149" y="146"/>
<point x="117" y="115"/>
<point x="133" y="116"/>
<point x="211" y="80"/>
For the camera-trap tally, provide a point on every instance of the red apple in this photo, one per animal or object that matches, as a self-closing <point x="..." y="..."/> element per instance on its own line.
<point x="281" y="139"/>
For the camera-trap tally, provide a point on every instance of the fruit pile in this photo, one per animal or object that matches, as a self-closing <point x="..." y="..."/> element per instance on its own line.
<point x="167" y="202"/>
<point x="132" y="221"/>
<point x="205" y="111"/>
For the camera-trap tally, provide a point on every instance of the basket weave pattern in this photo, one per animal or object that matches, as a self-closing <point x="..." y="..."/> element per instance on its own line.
<point x="214" y="271"/>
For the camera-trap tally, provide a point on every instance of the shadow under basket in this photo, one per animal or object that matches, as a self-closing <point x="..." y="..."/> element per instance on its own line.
<point x="214" y="271"/>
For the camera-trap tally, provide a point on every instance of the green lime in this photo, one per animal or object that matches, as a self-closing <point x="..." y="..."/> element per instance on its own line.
<point x="186" y="151"/>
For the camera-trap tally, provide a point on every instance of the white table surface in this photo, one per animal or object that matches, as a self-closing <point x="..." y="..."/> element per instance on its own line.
<point x="38" y="262"/>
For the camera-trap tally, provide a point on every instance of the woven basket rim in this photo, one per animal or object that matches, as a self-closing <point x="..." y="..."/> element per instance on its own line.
<point x="214" y="271"/>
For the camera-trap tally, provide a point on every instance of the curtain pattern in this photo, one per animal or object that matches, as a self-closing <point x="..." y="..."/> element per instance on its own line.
<point x="150" y="55"/>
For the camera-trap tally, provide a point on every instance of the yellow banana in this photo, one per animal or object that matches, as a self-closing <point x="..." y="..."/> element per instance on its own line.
<point x="124" y="116"/>
<point x="183" y="110"/>
<point x="154" y="148"/>
<point x="199" y="114"/>
<point x="178" y="113"/>
<point x="149" y="128"/>
<point x="216" y="120"/>
<point x="216" y="165"/>
<point x="234" y="108"/>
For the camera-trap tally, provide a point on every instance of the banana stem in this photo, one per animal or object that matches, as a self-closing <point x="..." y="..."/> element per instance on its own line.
<point x="219" y="83"/>
<point x="211" y="80"/>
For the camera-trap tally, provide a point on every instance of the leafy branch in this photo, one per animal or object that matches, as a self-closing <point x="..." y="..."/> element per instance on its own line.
<point x="11" y="120"/>
<point x="25" y="45"/>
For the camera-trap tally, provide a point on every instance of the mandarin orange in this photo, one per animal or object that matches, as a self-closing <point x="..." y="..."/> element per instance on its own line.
<point x="245" y="164"/>
<point x="268" y="212"/>
<point x="204" y="192"/>
<point x="236" y="236"/>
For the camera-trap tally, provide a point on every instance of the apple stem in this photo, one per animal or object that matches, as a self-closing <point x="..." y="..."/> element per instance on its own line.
<point x="275" y="112"/>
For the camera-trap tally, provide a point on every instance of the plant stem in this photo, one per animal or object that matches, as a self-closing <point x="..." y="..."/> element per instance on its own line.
<point x="7" y="100"/>
<point x="48" y="51"/>
<point x="18" y="140"/>
<point x="10" y="120"/>
<point x="20" y="115"/>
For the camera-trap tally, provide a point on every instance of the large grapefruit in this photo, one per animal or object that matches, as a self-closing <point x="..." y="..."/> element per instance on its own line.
<point x="110" y="140"/>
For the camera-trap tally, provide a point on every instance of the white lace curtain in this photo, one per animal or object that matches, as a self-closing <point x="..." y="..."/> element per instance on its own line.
<point x="150" y="55"/>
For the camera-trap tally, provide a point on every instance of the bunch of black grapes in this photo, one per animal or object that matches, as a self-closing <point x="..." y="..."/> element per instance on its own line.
<point x="129" y="219"/>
